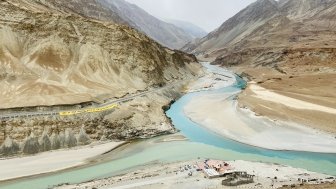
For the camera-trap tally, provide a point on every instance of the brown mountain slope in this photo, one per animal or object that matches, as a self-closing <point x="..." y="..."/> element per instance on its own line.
<point x="117" y="11"/>
<point x="86" y="8"/>
<point x="267" y="23"/>
<point x="51" y="58"/>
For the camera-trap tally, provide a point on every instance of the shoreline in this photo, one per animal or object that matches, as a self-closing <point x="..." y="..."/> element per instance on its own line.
<point x="251" y="113"/>
<point x="177" y="175"/>
<point x="220" y="116"/>
<point x="216" y="113"/>
<point x="52" y="161"/>
<point x="304" y="99"/>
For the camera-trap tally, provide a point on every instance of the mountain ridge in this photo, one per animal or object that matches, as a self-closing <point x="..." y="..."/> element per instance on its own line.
<point x="74" y="60"/>
<point x="239" y="28"/>
<point x="287" y="47"/>
<point x="166" y="34"/>
<point x="194" y="30"/>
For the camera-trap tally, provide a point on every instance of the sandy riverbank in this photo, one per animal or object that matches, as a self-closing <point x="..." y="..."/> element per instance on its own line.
<point x="216" y="113"/>
<point x="289" y="106"/>
<point x="262" y="93"/>
<point x="305" y="98"/>
<point x="51" y="161"/>
<point x="175" y="175"/>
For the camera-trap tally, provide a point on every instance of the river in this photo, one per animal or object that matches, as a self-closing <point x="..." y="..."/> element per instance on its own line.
<point x="201" y="143"/>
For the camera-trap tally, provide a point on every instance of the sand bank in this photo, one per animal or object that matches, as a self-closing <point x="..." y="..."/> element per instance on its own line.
<point x="51" y="161"/>
<point x="268" y="95"/>
<point x="216" y="113"/>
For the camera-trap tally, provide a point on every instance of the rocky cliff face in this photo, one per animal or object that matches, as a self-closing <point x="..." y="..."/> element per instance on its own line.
<point x="51" y="56"/>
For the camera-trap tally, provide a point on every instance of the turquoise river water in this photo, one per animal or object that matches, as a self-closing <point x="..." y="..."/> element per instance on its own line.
<point x="201" y="143"/>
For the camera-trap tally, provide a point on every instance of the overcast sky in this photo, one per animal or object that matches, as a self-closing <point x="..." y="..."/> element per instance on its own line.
<point x="207" y="14"/>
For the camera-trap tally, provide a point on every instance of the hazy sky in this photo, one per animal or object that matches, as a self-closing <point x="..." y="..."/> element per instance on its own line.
<point x="208" y="14"/>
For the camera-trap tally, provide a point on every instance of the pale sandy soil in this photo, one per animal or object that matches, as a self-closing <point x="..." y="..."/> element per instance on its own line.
<point x="306" y="110"/>
<point x="216" y="113"/>
<point x="312" y="186"/>
<point x="51" y="161"/>
<point x="174" y="175"/>
<point x="221" y="116"/>
<point x="305" y="98"/>
<point x="268" y="95"/>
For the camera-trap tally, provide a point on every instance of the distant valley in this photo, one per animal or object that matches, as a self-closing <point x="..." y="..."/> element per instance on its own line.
<point x="286" y="46"/>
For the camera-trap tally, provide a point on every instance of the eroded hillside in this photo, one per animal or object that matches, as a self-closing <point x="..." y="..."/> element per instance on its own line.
<point x="55" y="59"/>
<point x="49" y="58"/>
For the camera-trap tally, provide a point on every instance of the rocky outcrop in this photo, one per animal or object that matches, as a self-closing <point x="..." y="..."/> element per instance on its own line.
<point x="31" y="145"/>
<point x="45" y="142"/>
<point x="62" y="139"/>
<point x="9" y="147"/>
<point x="83" y="138"/>
<point x="70" y="139"/>
<point x="56" y="141"/>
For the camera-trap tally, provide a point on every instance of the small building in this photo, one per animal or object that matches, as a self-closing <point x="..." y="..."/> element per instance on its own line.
<point x="214" y="168"/>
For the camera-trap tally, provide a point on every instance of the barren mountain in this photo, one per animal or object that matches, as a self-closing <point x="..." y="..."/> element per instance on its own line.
<point x="86" y="8"/>
<point x="268" y="23"/>
<point x="190" y="28"/>
<point x="236" y="28"/>
<point x="117" y="11"/>
<point x="166" y="34"/>
<point x="287" y="46"/>
<point x="51" y="56"/>
<point x="58" y="59"/>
